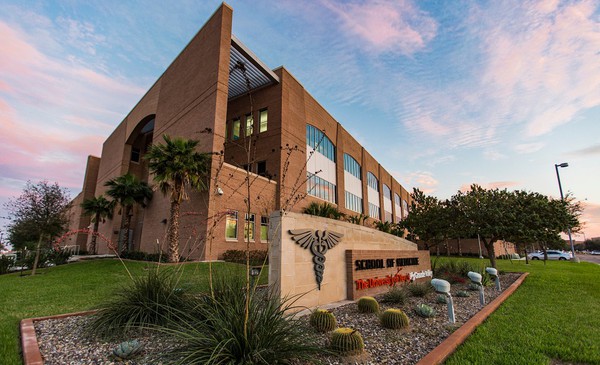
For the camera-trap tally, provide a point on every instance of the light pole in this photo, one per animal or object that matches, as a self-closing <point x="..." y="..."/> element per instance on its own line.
<point x="556" y="166"/>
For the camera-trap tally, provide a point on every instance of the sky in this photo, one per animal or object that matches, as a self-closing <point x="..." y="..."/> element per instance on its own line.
<point x="442" y="94"/>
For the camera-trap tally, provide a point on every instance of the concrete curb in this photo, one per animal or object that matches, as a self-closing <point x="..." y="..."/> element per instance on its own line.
<point x="31" y="349"/>
<point x="439" y="354"/>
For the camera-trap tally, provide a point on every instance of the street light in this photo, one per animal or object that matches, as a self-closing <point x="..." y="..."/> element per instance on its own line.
<point x="556" y="166"/>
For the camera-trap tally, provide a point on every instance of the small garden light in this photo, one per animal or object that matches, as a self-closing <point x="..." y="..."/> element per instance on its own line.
<point x="255" y="273"/>
<point x="494" y="273"/>
<point x="443" y="287"/>
<point x="476" y="279"/>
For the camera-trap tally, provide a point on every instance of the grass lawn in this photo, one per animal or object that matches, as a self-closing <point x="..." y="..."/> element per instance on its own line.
<point x="75" y="287"/>
<point x="554" y="315"/>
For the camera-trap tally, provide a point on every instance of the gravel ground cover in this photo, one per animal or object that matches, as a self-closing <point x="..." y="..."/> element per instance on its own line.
<point x="64" y="341"/>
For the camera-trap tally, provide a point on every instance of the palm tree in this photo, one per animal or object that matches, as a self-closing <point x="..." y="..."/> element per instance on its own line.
<point x="99" y="208"/>
<point x="176" y="164"/>
<point x="128" y="191"/>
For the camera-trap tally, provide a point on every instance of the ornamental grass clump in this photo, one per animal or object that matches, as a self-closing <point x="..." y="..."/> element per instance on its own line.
<point x="216" y="333"/>
<point x="394" y="319"/>
<point x="323" y="320"/>
<point x="395" y="295"/>
<point x="368" y="305"/>
<point x="146" y="301"/>
<point x="347" y="342"/>
<point x="419" y="289"/>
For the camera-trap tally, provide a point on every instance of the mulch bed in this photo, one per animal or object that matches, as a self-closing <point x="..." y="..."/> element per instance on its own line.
<point x="65" y="341"/>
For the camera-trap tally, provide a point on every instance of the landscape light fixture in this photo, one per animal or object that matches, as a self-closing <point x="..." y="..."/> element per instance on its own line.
<point x="476" y="279"/>
<point x="443" y="287"/>
<point x="556" y="166"/>
<point x="494" y="273"/>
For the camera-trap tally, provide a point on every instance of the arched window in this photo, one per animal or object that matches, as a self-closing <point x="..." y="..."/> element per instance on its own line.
<point x="372" y="181"/>
<point x="316" y="139"/>
<point x="373" y="191"/>
<point x="387" y="203"/>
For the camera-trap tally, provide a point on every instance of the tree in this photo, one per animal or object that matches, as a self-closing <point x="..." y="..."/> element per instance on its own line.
<point x="41" y="211"/>
<point x="175" y="165"/>
<point x="99" y="208"/>
<point x="128" y="191"/>
<point x="426" y="220"/>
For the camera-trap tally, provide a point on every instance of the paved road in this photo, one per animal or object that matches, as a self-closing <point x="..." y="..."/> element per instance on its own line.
<point x="589" y="258"/>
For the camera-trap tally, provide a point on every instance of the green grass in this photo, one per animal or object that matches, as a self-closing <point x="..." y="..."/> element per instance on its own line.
<point x="76" y="287"/>
<point x="554" y="315"/>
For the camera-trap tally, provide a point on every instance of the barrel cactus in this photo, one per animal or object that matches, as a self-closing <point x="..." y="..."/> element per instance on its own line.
<point x="425" y="311"/>
<point x="368" y="305"/>
<point x="394" y="319"/>
<point x="323" y="320"/>
<point x="347" y="341"/>
<point x="128" y="349"/>
<point x="462" y="294"/>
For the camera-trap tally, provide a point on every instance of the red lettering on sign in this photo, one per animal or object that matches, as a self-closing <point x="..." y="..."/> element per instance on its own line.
<point x="390" y="280"/>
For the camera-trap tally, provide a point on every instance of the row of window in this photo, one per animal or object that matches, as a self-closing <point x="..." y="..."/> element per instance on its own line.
<point x="354" y="203"/>
<point x="236" y="125"/>
<point x="372" y="181"/>
<point x="316" y="139"/>
<point x="231" y="226"/>
<point x="374" y="211"/>
<point x="320" y="188"/>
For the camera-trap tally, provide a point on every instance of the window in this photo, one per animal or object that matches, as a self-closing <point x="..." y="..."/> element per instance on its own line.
<point x="353" y="203"/>
<point x="261" y="168"/>
<point x="235" y="134"/>
<point x="374" y="211"/>
<point x="397" y="199"/>
<point x="352" y="166"/>
<point x="249" y="125"/>
<point x="231" y="225"/>
<point x="404" y="208"/>
<point x="135" y="154"/>
<point x="249" y="227"/>
<point x="320" y="188"/>
<point x="372" y="181"/>
<point x="264" y="229"/>
<point x="387" y="193"/>
<point x="226" y="131"/>
<point x="397" y="205"/>
<point x="316" y="139"/>
<point x="246" y="167"/>
<point x="262" y="120"/>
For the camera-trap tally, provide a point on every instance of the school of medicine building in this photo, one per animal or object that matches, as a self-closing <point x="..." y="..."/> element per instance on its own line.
<point x="219" y="93"/>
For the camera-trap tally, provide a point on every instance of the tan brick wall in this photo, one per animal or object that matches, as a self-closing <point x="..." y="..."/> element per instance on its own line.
<point x="291" y="268"/>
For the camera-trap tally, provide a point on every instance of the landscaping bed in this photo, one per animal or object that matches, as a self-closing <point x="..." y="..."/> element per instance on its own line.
<point x="64" y="340"/>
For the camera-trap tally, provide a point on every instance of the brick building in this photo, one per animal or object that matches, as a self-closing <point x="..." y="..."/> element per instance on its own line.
<point x="256" y="119"/>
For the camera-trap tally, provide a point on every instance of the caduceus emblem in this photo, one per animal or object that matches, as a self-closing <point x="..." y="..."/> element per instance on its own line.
<point x="318" y="242"/>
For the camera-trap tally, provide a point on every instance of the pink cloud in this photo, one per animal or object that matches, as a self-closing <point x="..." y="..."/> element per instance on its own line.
<point x="394" y="26"/>
<point x="491" y="185"/>
<point x="423" y="180"/>
<point x="591" y="219"/>
<point x="53" y="112"/>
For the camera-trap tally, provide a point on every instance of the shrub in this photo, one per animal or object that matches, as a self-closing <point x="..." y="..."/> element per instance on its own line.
<point x="396" y="295"/>
<point x="148" y="300"/>
<point x="29" y="259"/>
<point x="462" y="294"/>
<point x="323" y="320"/>
<point x="453" y="271"/>
<point x="6" y="263"/>
<point x="425" y="311"/>
<point x="60" y="256"/>
<point x="441" y="299"/>
<point x="215" y="334"/>
<point x="394" y="319"/>
<point x="419" y="289"/>
<point x="323" y="210"/>
<point x="257" y="257"/>
<point x="368" y="305"/>
<point x="347" y="341"/>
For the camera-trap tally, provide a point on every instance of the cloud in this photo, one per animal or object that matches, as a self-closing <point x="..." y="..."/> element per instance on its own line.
<point x="591" y="219"/>
<point x="53" y="112"/>
<point x="423" y="180"/>
<point x="490" y="185"/>
<point x="587" y="151"/>
<point x="385" y="26"/>
<point x="529" y="147"/>
<point x="493" y="155"/>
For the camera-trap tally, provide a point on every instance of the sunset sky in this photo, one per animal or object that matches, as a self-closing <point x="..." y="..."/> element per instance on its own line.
<point x="443" y="94"/>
